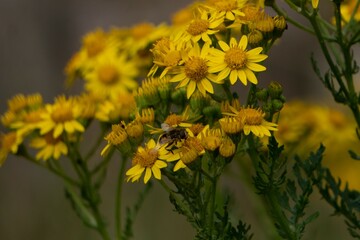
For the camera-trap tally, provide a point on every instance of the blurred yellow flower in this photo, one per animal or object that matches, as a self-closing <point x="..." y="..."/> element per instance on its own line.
<point x="112" y="74"/>
<point x="62" y="116"/>
<point x="9" y="143"/>
<point x="49" y="146"/>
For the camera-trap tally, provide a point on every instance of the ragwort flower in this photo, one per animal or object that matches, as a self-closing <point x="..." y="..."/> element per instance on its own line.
<point x="50" y="147"/>
<point x="235" y="61"/>
<point x="61" y="117"/>
<point x="149" y="159"/>
<point x="195" y="72"/>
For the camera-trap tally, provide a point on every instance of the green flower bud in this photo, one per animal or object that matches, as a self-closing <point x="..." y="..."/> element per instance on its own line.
<point x="262" y="94"/>
<point x="277" y="105"/>
<point x="179" y="96"/>
<point x="275" y="90"/>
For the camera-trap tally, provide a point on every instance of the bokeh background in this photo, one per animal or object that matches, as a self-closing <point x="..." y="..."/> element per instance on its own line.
<point x="37" y="38"/>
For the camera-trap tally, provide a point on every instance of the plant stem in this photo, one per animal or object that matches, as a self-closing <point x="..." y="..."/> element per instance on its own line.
<point x="118" y="198"/>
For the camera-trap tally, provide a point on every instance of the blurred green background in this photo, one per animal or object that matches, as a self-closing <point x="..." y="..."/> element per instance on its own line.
<point x="37" y="38"/>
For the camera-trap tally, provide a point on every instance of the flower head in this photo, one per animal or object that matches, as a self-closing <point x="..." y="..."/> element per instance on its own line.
<point x="227" y="9"/>
<point x="253" y="121"/>
<point x="9" y="143"/>
<point x="194" y="74"/>
<point x="62" y="116"/>
<point x="111" y="75"/>
<point x="235" y="61"/>
<point x="50" y="146"/>
<point x="149" y="159"/>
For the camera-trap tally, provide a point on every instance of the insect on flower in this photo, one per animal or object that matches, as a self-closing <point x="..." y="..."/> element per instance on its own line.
<point x="172" y="136"/>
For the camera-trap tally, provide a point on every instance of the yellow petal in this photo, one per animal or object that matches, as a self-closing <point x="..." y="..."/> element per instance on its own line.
<point x="190" y="89"/>
<point x="147" y="175"/>
<point x="242" y="76"/>
<point x="156" y="171"/>
<point x="207" y="85"/>
<point x="224" y="46"/>
<point x="243" y="42"/>
<point x="251" y="76"/>
<point x="58" y="130"/>
<point x="233" y="77"/>
<point x="179" y="165"/>
<point x="255" y="67"/>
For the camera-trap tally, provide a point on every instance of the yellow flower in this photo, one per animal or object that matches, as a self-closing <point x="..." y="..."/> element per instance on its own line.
<point x="116" y="109"/>
<point x="187" y="153"/>
<point x="135" y="129"/>
<point x="94" y="43"/>
<point x="149" y="159"/>
<point x="253" y="121"/>
<point x="211" y="138"/>
<point x="235" y="61"/>
<point x="227" y="147"/>
<point x="201" y="27"/>
<point x="9" y="143"/>
<point x="195" y="72"/>
<point x="231" y="125"/>
<point x="227" y="9"/>
<point x="147" y="115"/>
<point x="112" y="74"/>
<point x="61" y="117"/>
<point x="116" y="137"/>
<point x="167" y="53"/>
<point x="347" y="8"/>
<point x="50" y="147"/>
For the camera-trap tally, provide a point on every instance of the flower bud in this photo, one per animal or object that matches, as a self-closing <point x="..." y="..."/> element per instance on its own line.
<point x="227" y="147"/>
<point x="275" y="90"/>
<point x="262" y="94"/>
<point x="277" y="105"/>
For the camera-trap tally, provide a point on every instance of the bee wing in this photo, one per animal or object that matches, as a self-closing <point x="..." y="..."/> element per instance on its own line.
<point x="166" y="127"/>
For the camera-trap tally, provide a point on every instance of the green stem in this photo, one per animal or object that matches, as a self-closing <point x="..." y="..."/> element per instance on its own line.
<point x="119" y="198"/>
<point x="90" y="193"/>
<point x="212" y="205"/>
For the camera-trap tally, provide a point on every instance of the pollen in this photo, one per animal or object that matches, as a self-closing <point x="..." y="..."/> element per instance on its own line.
<point x="196" y="69"/>
<point x="251" y="116"/>
<point x="108" y="74"/>
<point x="235" y="58"/>
<point x="198" y="26"/>
<point x="172" y="58"/>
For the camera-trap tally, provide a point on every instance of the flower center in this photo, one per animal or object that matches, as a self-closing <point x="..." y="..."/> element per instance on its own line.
<point x="108" y="74"/>
<point x="235" y="58"/>
<point x="173" y="120"/>
<point x="50" y="140"/>
<point x="196" y="69"/>
<point x="146" y="158"/>
<point x="62" y="114"/>
<point x="198" y="26"/>
<point x="172" y="58"/>
<point x="251" y="116"/>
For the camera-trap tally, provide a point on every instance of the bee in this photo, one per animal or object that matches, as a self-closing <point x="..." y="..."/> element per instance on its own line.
<point x="171" y="136"/>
